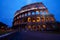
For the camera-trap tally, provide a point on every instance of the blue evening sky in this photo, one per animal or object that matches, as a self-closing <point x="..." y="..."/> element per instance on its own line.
<point x="9" y="7"/>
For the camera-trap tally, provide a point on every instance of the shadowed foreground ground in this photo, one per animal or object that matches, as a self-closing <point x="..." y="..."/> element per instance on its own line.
<point x="33" y="36"/>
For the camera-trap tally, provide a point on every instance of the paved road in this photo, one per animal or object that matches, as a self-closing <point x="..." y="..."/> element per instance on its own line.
<point x="34" y="36"/>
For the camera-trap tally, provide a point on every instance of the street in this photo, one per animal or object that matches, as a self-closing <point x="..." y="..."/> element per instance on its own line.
<point x="23" y="35"/>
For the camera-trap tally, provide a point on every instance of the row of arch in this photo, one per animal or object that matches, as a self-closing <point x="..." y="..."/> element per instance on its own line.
<point x="31" y="13"/>
<point x="39" y="27"/>
<point x="34" y="19"/>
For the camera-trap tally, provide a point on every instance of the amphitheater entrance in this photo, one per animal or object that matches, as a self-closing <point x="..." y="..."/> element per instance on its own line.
<point x="22" y="26"/>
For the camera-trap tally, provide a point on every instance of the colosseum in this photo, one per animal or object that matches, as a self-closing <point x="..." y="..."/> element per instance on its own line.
<point x="34" y="17"/>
